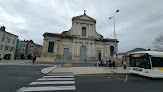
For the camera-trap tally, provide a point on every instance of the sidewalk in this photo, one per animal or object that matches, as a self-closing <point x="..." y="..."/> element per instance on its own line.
<point x="84" y="70"/>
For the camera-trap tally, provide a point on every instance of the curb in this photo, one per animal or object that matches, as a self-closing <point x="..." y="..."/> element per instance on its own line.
<point x="43" y="71"/>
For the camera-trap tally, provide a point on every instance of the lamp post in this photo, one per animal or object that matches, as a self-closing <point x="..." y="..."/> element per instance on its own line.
<point x="115" y="37"/>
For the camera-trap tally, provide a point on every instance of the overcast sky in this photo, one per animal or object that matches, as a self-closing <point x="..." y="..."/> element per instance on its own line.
<point x="137" y="23"/>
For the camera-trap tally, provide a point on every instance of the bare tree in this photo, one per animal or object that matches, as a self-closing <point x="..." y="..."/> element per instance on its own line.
<point x="158" y="43"/>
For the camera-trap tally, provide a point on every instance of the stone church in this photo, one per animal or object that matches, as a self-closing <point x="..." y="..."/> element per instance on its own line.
<point x="81" y="42"/>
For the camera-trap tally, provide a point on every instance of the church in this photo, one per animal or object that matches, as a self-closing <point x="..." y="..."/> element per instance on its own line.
<point x="81" y="42"/>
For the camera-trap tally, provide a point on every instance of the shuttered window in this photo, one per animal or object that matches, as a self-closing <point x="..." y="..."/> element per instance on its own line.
<point x="51" y="46"/>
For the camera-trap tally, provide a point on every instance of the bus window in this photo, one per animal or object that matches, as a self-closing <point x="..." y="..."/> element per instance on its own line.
<point x="144" y="63"/>
<point x="141" y="62"/>
<point x="157" y="62"/>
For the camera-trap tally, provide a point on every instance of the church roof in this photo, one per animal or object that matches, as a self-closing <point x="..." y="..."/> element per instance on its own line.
<point x="84" y="17"/>
<point x="138" y="49"/>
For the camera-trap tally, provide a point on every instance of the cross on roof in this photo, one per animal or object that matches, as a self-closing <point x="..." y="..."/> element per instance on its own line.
<point x="84" y="11"/>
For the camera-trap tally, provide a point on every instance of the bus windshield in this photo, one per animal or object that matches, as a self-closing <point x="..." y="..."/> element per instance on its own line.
<point x="140" y="60"/>
<point x="157" y="61"/>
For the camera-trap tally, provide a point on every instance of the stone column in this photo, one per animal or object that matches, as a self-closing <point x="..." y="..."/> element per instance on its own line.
<point x="89" y="30"/>
<point x="79" y="30"/>
<point x="89" y="50"/>
<point x="76" y="27"/>
<point x="78" y="51"/>
<point x="73" y="51"/>
<point x="75" y="31"/>
<point x="93" y="30"/>
<point x="93" y="51"/>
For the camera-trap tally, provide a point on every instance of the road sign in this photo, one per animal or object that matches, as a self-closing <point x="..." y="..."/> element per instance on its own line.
<point x="114" y="54"/>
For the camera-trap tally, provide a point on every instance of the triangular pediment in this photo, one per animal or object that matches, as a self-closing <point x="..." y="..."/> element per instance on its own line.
<point x="84" y="17"/>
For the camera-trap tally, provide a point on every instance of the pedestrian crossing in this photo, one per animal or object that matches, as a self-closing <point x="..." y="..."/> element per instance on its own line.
<point x="58" y="65"/>
<point x="47" y="65"/>
<point x="58" y="82"/>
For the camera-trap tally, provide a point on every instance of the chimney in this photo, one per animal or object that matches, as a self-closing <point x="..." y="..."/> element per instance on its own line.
<point x="3" y="28"/>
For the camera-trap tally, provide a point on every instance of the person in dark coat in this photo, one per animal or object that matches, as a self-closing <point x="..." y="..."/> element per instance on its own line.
<point x="113" y="64"/>
<point x="34" y="59"/>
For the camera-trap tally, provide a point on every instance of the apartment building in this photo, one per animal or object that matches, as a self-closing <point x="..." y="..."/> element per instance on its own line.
<point x="8" y="42"/>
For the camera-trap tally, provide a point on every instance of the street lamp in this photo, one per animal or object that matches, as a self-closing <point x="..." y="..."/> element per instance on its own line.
<point x="115" y="36"/>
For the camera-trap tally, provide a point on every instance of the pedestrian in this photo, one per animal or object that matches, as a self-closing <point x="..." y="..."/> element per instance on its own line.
<point x="34" y="59"/>
<point x="124" y="63"/>
<point x="98" y="63"/>
<point x="113" y="64"/>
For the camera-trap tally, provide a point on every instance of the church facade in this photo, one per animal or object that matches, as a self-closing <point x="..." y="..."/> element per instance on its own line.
<point x="81" y="42"/>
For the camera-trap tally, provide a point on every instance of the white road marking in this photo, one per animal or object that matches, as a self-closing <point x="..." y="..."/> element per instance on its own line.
<point x="56" y="79"/>
<point x="59" y="65"/>
<point x="48" y="88"/>
<point x="58" y="76"/>
<point x="109" y="77"/>
<point x="52" y="82"/>
<point x="51" y="65"/>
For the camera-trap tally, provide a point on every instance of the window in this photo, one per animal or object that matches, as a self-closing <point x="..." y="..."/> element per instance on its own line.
<point x="13" y="41"/>
<point x="12" y="49"/>
<point x="7" y="48"/>
<point x="1" y="47"/>
<point x="3" y="39"/>
<point x="51" y="46"/>
<point x="111" y="50"/>
<point x="83" y="31"/>
<point x="8" y="40"/>
<point x="157" y="62"/>
<point x="141" y="62"/>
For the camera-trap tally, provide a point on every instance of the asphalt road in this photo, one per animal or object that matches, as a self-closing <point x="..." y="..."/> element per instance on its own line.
<point x="14" y="77"/>
<point x="117" y="83"/>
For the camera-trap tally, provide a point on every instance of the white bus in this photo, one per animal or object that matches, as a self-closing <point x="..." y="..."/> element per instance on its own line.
<point x="147" y="63"/>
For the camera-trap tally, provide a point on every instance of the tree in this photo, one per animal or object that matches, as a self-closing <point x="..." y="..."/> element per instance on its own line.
<point x="158" y="43"/>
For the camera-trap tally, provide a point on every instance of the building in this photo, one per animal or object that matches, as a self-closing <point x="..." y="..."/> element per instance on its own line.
<point x="28" y="49"/>
<point x="38" y="50"/>
<point x="8" y="42"/>
<point x="81" y="42"/>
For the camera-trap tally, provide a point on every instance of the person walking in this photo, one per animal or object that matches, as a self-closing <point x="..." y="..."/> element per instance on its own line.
<point x="124" y="63"/>
<point x="98" y="63"/>
<point x="34" y="59"/>
<point x="113" y="64"/>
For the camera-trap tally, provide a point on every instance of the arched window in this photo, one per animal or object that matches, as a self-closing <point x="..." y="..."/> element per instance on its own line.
<point x="83" y="31"/>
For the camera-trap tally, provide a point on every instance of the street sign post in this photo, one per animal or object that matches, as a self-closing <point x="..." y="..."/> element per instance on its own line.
<point x="114" y="54"/>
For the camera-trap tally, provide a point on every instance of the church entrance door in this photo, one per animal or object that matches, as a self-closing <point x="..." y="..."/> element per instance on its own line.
<point x="98" y="54"/>
<point x="66" y="53"/>
<point x="83" y="53"/>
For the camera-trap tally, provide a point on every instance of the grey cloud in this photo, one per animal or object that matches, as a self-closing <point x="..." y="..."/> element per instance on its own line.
<point x="137" y="23"/>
